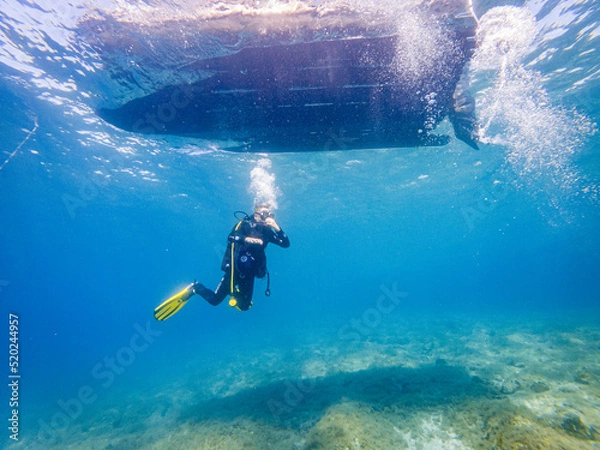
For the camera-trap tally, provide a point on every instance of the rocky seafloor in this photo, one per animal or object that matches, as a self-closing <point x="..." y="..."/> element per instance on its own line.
<point x="411" y="382"/>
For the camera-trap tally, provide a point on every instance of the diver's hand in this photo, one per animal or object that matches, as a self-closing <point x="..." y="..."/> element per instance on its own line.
<point x="271" y="222"/>
<point x="251" y="240"/>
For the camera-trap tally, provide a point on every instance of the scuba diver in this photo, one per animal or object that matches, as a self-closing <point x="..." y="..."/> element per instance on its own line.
<point x="244" y="260"/>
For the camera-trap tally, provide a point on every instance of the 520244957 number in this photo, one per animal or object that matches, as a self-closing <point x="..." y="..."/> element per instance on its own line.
<point x="13" y="347"/>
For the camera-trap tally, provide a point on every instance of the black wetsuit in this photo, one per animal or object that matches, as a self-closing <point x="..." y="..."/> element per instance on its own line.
<point x="250" y="261"/>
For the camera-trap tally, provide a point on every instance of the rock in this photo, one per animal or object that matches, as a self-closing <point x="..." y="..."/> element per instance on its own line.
<point x="509" y="387"/>
<point x="582" y="377"/>
<point x="573" y="425"/>
<point x="538" y="387"/>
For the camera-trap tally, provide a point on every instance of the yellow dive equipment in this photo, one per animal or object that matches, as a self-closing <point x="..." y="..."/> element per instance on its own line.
<point x="170" y="306"/>
<point x="232" y="289"/>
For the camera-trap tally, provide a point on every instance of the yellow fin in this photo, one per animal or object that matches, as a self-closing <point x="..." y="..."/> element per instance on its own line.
<point x="173" y="304"/>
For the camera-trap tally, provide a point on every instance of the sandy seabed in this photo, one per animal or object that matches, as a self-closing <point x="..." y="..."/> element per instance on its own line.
<point x="410" y="382"/>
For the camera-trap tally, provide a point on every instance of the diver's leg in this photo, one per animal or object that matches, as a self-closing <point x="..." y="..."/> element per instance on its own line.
<point x="216" y="297"/>
<point x="244" y="297"/>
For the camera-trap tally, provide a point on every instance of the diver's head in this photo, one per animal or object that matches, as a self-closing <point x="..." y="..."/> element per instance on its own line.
<point x="262" y="212"/>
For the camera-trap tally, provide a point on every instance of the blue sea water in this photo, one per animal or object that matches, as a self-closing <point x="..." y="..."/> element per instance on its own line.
<point x="400" y="259"/>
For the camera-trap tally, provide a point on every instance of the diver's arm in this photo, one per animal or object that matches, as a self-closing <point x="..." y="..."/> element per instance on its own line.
<point x="278" y="236"/>
<point x="234" y="237"/>
<point x="271" y="232"/>
<point x="281" y="239"/>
